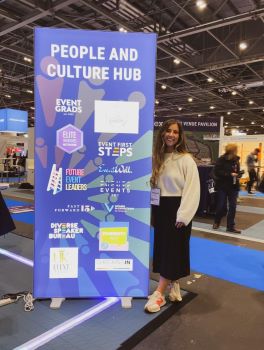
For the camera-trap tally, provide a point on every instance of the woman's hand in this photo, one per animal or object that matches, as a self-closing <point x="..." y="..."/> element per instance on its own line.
<point x="179" y="224"/>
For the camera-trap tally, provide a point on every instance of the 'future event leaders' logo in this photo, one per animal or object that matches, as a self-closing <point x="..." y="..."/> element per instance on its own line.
<point x="55" y="180"/>
<point x="115" y="149"/>
<point x="68" y="106"/>
<point x="72" y="180"/>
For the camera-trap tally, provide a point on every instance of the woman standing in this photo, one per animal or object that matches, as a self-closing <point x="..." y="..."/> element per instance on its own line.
<point x="227" y="173"/>
<point x="175" y="174"/>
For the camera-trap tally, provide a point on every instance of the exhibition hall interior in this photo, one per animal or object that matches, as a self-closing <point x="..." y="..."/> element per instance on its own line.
<point x="132" y="174"/>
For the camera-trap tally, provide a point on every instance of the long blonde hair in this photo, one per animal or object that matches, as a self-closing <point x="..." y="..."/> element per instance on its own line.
<point x="160" y="148"/>
<point x="231" y="151"/>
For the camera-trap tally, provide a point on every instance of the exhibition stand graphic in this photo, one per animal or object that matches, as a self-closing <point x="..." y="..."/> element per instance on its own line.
<point x="94" y="100"/>
<point x="202" y="135"/>
<point x="13" y="120"/>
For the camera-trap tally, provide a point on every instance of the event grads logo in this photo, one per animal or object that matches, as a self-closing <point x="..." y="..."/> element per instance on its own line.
<point x="68" y="106"/>
<point x="65" y="230"/>
<point x="63" y="263"/>
<point x="115" y="149"/>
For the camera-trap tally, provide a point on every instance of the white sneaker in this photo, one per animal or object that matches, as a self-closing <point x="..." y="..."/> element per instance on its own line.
<point x="175" y="292"/>
<point x="155" y="302"/>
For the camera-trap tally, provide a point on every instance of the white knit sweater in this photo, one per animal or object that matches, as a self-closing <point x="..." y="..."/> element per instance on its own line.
<point x="179" y="178"/>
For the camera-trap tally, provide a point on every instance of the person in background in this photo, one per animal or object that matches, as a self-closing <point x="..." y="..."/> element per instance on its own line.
<point x="227" y="173"/>
<point x="176" y="175"/>
<point x="251" y="161"/>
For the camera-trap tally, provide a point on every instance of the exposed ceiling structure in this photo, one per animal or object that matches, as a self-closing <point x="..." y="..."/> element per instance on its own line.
<point x="202" y="68"/>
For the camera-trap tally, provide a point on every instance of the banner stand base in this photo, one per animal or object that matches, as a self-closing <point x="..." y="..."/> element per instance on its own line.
<point x="126" y="302"/>
<point x="56" y="303"/>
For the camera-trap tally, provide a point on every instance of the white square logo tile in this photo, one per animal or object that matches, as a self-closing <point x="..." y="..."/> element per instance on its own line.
<point x="116" y="117"/>
<point x="63" y="263"/>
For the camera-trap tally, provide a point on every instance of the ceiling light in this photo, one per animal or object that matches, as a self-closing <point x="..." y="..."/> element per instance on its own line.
<point x="179" y="108"/>
<point x="201" y="4"/>
<point x="228" y="113"/>
<point x="26" y="135"/>
<point x="250" y="102"/>
<point x="199" y="115"/>
<point x="243" y="45"/>
<point x="262" y="126"/>
<point x="212" y="107"/>
<point x="242" y="118"/>
<point x="27" y="59"/>
<point x="225" y="126"/>
<point x="32" y="107"/>
<point x="263" y="110"/>
<point x="233" y="93"/>
<point x="164" y="87"/>
<point x="177" y="61"/>
<point x="190" y="99"/>
<point x="226" y="123"/>
<point x="210" y="79"/>
<point x="252" y="123"/>
<point x="29" y="91"/>
<point x="7" y="96"/>
<point x="123" y="30"/>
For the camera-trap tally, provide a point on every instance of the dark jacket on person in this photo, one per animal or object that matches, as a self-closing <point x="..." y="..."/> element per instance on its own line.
<point x="224" y="167"/>
<point x="6" y="221"/>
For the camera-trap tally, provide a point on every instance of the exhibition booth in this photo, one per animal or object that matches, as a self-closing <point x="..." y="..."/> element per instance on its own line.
<point x="246" y="144"/>
<point x="89" y="160"/>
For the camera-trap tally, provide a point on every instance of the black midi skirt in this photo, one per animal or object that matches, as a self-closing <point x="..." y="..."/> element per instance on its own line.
<point x="171" y="257"/>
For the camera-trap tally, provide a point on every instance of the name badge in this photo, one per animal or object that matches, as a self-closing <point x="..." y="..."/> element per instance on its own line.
<point x="155" y="196"/>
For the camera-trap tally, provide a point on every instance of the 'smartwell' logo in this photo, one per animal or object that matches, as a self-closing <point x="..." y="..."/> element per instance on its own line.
<point x="68" y="106"/>
<point x="63" y="263"/>
<point x="117" y="169"/>
<point x="55" y="180"/>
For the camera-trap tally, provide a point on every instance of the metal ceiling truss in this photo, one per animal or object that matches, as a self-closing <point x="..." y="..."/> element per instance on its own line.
<point x="204" y="44"/>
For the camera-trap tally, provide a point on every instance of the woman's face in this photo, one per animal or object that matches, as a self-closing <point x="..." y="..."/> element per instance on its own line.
<point x="171" y="136"/>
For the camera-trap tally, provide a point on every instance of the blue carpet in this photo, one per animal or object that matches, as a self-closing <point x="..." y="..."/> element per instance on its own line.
<point x="226" y="261"/>
<point x="28" y="218"/>
<point x="257" y="194"/>
<point x="229" y="262"/>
